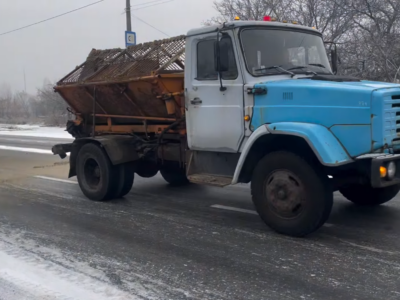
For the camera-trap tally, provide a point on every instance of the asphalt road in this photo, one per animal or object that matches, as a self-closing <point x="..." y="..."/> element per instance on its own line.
<point x="194" y="242"/>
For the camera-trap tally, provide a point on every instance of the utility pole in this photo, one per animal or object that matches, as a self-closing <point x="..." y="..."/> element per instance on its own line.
<point x="24" y="80"/>
<point x="128" y="16"/>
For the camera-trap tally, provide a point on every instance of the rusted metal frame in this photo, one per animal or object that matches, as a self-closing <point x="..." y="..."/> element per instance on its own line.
<point x="173" y="59"/>
<point x="136" y="128"/>
<point x="172" y="96"/>
<point x="109" y="123"/>
<point x="143" y="78"/>
<point x="146" y="129"/>
<point x="169" y="95"/>
<point x="141" y="57"/>
<point x="136" y="117"/>
<point x="94" y="113"/>
<point x="105" y="66"/>
<point x="92" y="97"/>
<point x="130" y="55"/>
<point x="72" y="72"/>
<point x="123" y="92"/>
<point x="65" y="99"/>
<point x="110" y="82"/>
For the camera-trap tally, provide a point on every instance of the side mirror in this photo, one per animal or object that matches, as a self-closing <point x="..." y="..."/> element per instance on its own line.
<point x="221" y="56"/>
<point x="334" y="60"/>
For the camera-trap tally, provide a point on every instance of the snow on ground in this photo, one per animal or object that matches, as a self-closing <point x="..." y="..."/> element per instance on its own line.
<point x="25" y="275"/>
<point x="34" y="131"/>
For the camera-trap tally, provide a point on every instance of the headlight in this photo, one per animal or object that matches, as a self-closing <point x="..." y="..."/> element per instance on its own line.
<point x="391" y="170"/>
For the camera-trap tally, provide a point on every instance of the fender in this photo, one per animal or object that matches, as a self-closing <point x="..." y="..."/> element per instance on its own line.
<point x="324" y="144"/>
<point x="119" y="149"/>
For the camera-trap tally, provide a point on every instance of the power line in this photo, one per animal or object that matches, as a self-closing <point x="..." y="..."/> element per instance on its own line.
<point x="145" y="3"/>
<point x="135" y="9"/>
<point x="71" y="11"/>
<point x="141" y="5"/>
<point x="151" y="25"/>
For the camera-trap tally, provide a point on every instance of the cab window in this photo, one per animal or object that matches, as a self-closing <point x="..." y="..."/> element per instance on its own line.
<point x="206" y="61"/>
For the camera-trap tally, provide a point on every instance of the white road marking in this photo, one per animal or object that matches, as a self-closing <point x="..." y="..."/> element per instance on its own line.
<point x="56" y="179"/>
<point x="249" y="211"/>
<point x="29" y="150"/>
<point x="27" y="141"/>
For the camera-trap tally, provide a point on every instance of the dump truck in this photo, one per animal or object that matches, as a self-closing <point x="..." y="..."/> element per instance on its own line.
<point x="254" y="102"/>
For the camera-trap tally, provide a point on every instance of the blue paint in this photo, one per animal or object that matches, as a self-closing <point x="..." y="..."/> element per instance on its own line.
<point x="356" y="139"/>
<point x="384" y="117"/>
<point x="330" y="104"/>
<point x="323" y="142"/>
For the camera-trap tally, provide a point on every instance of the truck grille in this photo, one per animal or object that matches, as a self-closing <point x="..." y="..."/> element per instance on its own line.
<point x="385" y="115"/>
<point x="396" y="108"/>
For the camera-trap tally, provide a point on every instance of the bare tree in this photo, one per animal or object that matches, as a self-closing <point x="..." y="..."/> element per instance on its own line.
<point x="51" y="105"/>
<point x="367" y="31"/>
<point x="377" y="30"/>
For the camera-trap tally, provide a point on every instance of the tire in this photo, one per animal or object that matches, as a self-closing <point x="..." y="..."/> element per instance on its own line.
<point x="365" y="195"/>
<point x="97" y="178"/>
<point x="174" y="175"/>
<point x="292" y="196"/>
<point x="126" y="176"/>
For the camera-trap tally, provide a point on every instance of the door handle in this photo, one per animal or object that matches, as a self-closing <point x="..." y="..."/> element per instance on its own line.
<point x="196" y="101"/>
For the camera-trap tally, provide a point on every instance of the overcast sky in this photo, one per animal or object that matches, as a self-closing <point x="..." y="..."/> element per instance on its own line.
<point x="52" y="49"/>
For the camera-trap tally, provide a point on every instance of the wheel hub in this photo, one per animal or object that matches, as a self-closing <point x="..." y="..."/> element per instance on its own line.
<point x="92" y="173"/>
<point x="96" y="172"/>
<point x="285" y="193"/>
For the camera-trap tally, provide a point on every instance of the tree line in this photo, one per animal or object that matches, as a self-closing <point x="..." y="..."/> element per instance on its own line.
<point x="45" y="106"/>
<point x="367" y="32"/>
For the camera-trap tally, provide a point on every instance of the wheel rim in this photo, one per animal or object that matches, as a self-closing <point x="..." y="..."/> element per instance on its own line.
<point x="285" y="194"/>
<point x="92" y="173"/>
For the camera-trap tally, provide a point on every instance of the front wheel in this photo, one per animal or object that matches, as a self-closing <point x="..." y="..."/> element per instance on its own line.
<point x="368" y="196"/>
<point x="292" y="196"/>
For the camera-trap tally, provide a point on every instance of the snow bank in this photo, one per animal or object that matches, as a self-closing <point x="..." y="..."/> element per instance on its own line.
<point x="34" y="131"/>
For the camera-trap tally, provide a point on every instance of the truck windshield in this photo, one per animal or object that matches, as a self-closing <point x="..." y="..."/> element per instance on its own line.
<point x="296" y="51"/>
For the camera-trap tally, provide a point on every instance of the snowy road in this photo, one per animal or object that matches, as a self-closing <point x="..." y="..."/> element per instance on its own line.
<point x="161" y="242"/>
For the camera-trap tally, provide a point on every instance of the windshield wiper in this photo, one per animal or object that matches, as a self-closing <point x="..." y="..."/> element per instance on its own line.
<point x="277" y="68"/>
<point x="318" y="65"/>
<point x="303" y="67"/>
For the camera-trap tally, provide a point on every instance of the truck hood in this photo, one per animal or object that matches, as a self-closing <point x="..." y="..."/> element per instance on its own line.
<point x="354" y="111"/>
<point x="326" y="103"/>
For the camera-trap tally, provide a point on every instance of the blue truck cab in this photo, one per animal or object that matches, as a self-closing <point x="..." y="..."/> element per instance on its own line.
<point x="262" y="96"/>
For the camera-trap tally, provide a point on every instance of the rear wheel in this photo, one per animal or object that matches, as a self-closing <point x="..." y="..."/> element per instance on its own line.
<point x="174" y="174"/>
<point x="97" y="178"/>
<point x="368" y="196"/>
<point x="126" y="176"/>
<point x="292" y="196"/>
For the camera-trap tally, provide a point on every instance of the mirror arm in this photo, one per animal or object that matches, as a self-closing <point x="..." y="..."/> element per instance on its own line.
<point x="222" y="88"/>
<point x="334" y="61"/>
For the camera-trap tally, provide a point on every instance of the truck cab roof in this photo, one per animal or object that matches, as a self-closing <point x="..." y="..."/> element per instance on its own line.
<point x="236" y="24"/>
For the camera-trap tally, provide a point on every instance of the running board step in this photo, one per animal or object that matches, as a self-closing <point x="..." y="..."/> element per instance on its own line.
<point x="210" y="179"/>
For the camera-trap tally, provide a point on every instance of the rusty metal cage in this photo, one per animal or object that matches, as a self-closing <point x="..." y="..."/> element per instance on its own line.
<point x="118" y="89"/>
<point x="163" y="56"/>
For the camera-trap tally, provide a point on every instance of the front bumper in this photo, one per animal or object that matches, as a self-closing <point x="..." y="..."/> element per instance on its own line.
<point x="379" y="160"/>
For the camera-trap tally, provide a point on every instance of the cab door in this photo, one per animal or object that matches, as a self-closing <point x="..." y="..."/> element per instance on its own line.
<point x="214" y="116"/>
